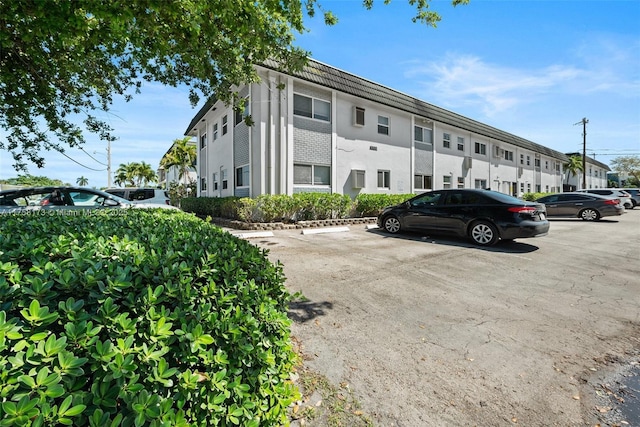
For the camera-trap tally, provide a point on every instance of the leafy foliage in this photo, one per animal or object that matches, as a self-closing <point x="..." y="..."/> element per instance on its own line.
<point x="62" y="61"/>
<point x="134" y="174"/>
<point x="101" y="327"/>
<point x="32" y="181"/>
<point x="182" y="155"/>
<point x="628" y="165"/>
<point x="299" y="207"/>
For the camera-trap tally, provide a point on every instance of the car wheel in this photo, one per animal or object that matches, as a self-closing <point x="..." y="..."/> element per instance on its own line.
<point x="589" y="215"/>
<point x="391" y="224"/>
<point x="484" y="233"/>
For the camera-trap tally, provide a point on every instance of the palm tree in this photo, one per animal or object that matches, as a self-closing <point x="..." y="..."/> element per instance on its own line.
<point x="82" y="181"/>
<point x="124" y="175"/>
<point x="182" y="155"/>
<point x="573" y="166"/>
<point x="143" y="174"/>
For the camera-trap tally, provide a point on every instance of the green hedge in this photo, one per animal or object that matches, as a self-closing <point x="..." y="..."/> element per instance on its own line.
<point x="299" y="207"/>
<point x="139" y="318"/>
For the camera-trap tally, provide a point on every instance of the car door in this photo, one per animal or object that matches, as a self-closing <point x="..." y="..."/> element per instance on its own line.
<point x="553" y="204"/>
<point x="571" y="204"/>
<point x="453" y="211"/>
<point x="422" y="211"/>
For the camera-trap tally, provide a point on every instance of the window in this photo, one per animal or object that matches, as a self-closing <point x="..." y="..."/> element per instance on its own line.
<point x="422" y="182"/>
<point x="358" y="116"/>
<point x="203" y="140"/>
<point x="537" y="164"/>
<point x="384" y="179"/>
<point x="311" y="174"/>
<point x="528" y="161"/>
<point x="215" y="131"/>
<point x="311" y="107"/>
<point x="242" y="176"/>
<point x="446" y="140"/>
<point x="421" y="134"/>
<point x="446" y="181"/>
<point x="214" y="179"/>
<point x="508" y="155"/>
<point x="383" y="125"/>
<point x="460" y="182"/>
<point x="546" y="164"/>
<point x="240" y="114"/>
<point x="481" y="148"/>
<point x="203" y="184"/>
<point x="522" y="159"/>
<point x="224" y="125"/>
<point x="225" y="181"/>
<point x="481" y="183"/>
<point x="460" y="143"/>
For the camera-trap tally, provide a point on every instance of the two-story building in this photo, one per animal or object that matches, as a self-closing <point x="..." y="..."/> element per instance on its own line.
<point x="326" y="130"/>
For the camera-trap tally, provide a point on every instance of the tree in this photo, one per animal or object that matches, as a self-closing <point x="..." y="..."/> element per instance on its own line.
<point x="573" y="166"/>
<point x="33" y="181"/>
<point x="82" y="181"/>
<point x="61" y="61"/>
<point x="182" y="155"/>
<point x="134" y="174"/>
<point x="627" y="165"/>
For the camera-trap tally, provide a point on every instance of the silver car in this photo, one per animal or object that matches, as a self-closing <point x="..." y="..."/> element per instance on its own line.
<point x="625" y="198"/>
<point x="44" y="199"/>
<point x="589" y="207"/>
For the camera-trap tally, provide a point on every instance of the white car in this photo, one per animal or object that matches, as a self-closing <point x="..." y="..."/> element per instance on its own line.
<point x="625" y="198"/>
<point x="33" y="199"/>
<point x="141" y="195"/>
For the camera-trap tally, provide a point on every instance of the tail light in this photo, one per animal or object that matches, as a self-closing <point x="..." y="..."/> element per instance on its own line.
<point x="612" y="202"/>
<point x="523" y="209"/>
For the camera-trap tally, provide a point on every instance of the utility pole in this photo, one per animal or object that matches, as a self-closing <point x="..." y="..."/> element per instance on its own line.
<point x="584" y="122"/>
<point x="108" y="163"/>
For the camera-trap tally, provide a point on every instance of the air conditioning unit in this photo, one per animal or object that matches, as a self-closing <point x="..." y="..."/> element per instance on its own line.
<point x="520" y="170"/>
<point x="468" y="162"/>
<point x="357" y="178"/>
<point x="498" y="152"/>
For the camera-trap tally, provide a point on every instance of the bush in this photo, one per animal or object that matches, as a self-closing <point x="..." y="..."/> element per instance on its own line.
<point x="372" y="204"/>
<point x="532" y="197"/>
<point x="139" y="318"/>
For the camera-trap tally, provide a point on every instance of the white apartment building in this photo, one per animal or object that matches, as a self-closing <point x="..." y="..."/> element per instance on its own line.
<point x="595" y="171"/>
<point x="326" y="130"/>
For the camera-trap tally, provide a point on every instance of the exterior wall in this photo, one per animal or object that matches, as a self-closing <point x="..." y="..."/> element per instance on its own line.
<point x="596" y="177"/>
<point x="279" y="140"/>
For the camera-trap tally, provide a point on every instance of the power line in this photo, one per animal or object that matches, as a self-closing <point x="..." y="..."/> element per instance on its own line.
<point x="77" y="162"/>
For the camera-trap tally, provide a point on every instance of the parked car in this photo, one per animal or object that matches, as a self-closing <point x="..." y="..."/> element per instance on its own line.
<point x="635" y="195"/>
<point x="141" y="195"/>
<point x="484" y="216"/>
<point x="589" y="207"/>
<point x="625" y="198"/>
<point x="64" y="198"/>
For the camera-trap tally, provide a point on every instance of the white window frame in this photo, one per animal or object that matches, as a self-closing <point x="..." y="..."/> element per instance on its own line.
<point x="244" y="174"/>
<point x="214" y="179"/>
<point x="358" y="116"/>
<point x="224" y="177"/>
<point x="480" y="148"/>
<point x="480" y="183"/>
<point x="508" y="155"/>
<point x="315" y="102"/>
<point x="460" y="182"/>
<point x="203" y="184"/>
<point x="225" y="124"/>
<point x="423" y="182"/>
<point x="386" y="179"/>
<point x="446" y="181"/>
<point x="383" y="128"/>
<point x="203" y="141"/>
<point x="313" y="176"/>
<point x="446" y="140"/>
<point x="215" y="131"/>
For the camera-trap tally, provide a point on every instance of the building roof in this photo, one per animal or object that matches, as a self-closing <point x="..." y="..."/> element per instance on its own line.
<point x="333" y="78"/>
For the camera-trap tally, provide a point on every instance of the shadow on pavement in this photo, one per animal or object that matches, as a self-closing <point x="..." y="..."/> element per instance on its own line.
<point x="510" y="246"/>
<point x="303" y="311"/>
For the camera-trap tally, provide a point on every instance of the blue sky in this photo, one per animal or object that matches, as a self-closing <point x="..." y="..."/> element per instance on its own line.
<point x="531" y="68"/>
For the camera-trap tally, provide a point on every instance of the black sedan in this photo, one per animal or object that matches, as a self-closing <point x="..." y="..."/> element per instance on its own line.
<point x="589" y="207"/>
<point x="484" y="216"/>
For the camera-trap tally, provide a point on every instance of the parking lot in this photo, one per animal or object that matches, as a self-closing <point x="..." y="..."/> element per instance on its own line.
<point x="433" y="331"/>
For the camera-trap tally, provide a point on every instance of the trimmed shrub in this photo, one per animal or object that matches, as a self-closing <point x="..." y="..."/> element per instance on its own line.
<point x="372" y="204"/>
<point x="139" y="318"/>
